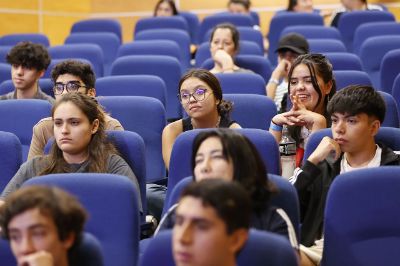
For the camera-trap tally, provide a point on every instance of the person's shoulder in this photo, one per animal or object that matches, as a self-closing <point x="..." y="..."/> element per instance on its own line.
<point x="43" y="96"/>
<point x="7" y="96"/>
<point x="112" y="123"/>
<point x="174" y="127"/>
<point x="115" y="158"/>
<point x="375" y="7"/>
<point x="243" y="70"/>
<point x="388" y="156"/>
<point x="37" y="162"/>
<point x="45" y="122"/>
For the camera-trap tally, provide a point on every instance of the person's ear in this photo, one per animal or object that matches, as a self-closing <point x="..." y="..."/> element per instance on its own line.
<point x="328" y="87"/>
<point x="91" y="92"/>
<point x="69" y="241"/>
<point x="237" y="239"/>
<point x="95" y="126"/>
<point x="41" y="73"/>
<point x="375" y="125"/>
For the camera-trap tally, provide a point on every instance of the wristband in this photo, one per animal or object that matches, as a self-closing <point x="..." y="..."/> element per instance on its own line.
<point x="275" y="127"/>
<point x="274" y="81"/>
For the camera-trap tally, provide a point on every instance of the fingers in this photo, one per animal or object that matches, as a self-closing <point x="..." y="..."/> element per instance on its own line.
<point x="338" y="151"/>
<point x="324" y="150"/>
<point x="40" y="258"/>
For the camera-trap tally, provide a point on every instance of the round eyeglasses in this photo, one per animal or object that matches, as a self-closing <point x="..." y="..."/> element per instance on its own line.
<point x="198" y="95"/>
<point x="72" y="86"/>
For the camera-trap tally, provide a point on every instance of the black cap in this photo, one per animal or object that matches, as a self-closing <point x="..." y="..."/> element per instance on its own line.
<point x="295" y="42"/>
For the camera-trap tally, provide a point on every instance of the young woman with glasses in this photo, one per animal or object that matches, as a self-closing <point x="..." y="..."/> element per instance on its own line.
<point x="200" y="94"/>
<point x="201" y="97"/>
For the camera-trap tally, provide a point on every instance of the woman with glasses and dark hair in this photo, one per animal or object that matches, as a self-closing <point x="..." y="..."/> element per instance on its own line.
<point x="311" y="85"/>
<point x="80" y="145"/>
<point x="69" y="76"/>
<point x="201" y="97"/>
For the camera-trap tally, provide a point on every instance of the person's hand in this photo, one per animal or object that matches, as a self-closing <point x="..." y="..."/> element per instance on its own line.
<point x="281" y="70"/>
<point x="300" y="116"/>
<point x="224" y="60"/>
<point x="326" y="13"/>
<point x="40" y="258"/>
<point x="327" y="148"/>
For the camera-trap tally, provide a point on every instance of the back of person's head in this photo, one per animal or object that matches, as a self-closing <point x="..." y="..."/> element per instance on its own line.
<point x="357" y="99"/>
<point x="230" y="201"/>
<point x="234" y="33"/>
<point x="294" y="42"/>
<point x="65" y="210"/>
<point x="249" y="169"/>
<point x="171" y="4"/>
<point x="29" y="55"/>
<point x="318" y="65"/>
<point x="76" y="68"/>
<point x="245" y="3"/>
<point x="98" y="148"/>
<point x="224" y="107"/>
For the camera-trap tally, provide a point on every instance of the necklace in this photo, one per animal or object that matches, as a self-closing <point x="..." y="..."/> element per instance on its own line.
<point x="216" y="125"/>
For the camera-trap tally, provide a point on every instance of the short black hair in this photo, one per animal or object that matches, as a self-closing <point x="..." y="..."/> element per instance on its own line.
<point x="29" y="55"/>
<point x="229" y="199"/>
<point x="64" y="209"/>
<point x="357" y="99"/>
<point x="77" y="68"/>
<point x="245" y="3"/>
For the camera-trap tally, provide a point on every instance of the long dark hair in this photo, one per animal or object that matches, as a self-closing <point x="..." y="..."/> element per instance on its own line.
<point x="224" y="107"/>
<point x="98" y="149"/>
<point x="318" y="65"/>
<point x="249" y="169"/>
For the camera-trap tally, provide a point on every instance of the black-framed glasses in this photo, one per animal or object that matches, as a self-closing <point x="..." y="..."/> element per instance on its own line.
<point x="198" y="95"/>
<point x="71" y="86"/>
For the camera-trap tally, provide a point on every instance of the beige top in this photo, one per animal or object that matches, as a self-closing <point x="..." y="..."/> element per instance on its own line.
<point x="43" y="131"/>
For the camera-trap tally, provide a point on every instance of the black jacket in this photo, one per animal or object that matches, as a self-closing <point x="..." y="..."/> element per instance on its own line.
<point x="312" y="183"/>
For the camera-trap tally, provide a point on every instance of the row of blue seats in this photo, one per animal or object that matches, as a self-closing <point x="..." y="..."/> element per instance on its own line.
<point x="89" y="191"/>
<point x="169" y="70"/>
<point x="279" y="24"/>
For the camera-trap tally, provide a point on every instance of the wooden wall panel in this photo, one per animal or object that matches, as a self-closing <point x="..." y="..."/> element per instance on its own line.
<point x="58" y="27"/>
<point x="18" y="23"/>
<point x="19" y="4"/>
<point x="123" y="6"/>
<point x="73" y="6"/>
<point x="17" y="16"/>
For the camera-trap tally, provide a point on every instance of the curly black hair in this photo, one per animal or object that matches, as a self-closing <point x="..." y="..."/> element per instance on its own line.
<point x="29" y="55"/>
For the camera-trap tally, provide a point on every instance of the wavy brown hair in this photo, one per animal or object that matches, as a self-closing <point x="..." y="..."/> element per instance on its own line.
<point x="98" y="149"/>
